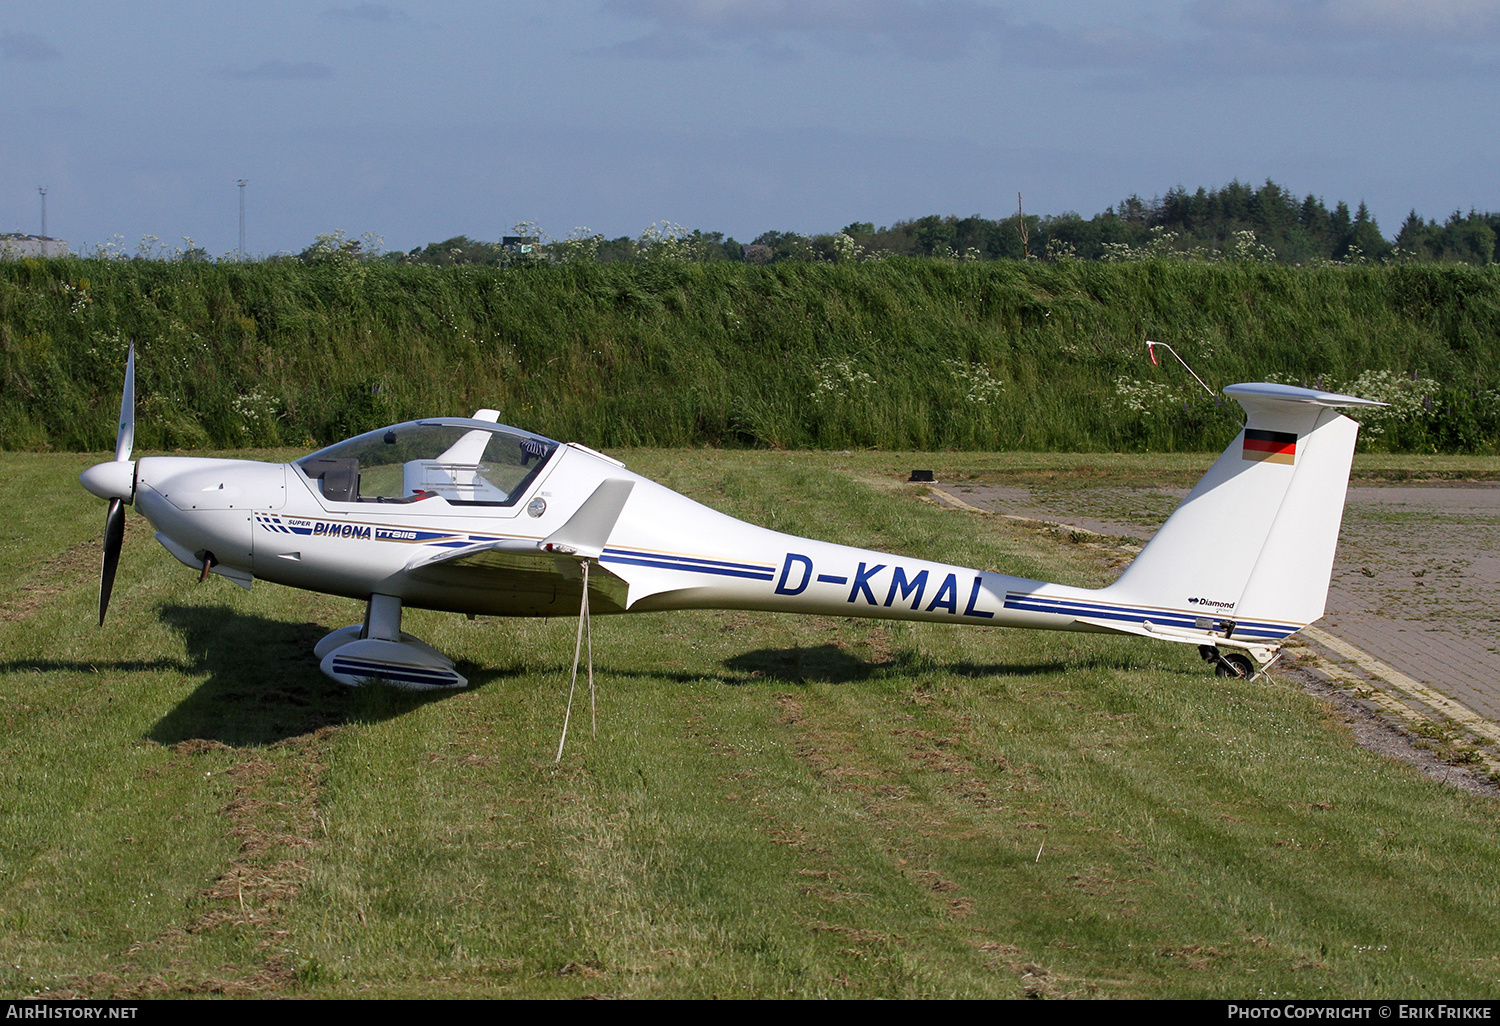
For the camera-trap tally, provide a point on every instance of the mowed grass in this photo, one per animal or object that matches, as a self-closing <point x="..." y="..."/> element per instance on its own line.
<point x="773" y="806"/>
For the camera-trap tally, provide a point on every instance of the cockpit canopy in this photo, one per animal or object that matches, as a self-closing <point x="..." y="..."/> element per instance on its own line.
<point x="466" y="462"/>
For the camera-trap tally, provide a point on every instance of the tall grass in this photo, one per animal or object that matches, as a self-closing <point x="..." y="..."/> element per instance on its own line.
<point x="901" y="354"/>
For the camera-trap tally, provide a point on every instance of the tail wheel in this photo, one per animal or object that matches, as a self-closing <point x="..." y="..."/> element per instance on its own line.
<point x="1234" y="664"/>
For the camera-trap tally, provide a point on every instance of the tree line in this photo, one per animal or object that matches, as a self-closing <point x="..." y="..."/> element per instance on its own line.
<point x="1236" y="222"/>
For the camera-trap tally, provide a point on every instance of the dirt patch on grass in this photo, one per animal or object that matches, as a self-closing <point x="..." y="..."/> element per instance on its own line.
<point x="70" y="568"/>
<point x="852" y="934"/>
<point x="273" y="816"/>
<point x="1038" y="981"/>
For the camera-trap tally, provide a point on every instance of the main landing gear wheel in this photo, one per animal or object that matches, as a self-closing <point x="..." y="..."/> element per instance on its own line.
<point x="1234" y="664"/>
<point x="379" y="650"/>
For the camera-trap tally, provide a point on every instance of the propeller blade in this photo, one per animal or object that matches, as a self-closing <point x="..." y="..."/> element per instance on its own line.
<point x="125" y="437"/>
<point x="114" y="539"/>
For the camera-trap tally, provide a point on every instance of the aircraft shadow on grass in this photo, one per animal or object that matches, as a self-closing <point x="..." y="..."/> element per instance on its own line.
<point x="260" y="685"/>
<point x="834" y="665"/>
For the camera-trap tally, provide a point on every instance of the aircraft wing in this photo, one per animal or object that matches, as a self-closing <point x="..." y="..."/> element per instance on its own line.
<point x="536" y="582"/>
<point x="538" y="576"/>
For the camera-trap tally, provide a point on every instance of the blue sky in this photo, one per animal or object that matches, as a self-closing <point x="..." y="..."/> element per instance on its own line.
<point x="422" y="121"/>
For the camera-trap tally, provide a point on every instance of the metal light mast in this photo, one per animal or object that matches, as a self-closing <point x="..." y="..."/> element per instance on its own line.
<point x="242" y="183"/>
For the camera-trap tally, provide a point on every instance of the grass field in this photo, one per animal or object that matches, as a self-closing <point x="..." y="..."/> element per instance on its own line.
<point x="773" y="806"/>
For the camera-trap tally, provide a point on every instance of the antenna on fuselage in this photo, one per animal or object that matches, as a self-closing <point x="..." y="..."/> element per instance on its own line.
<point x="1151" y="352"/>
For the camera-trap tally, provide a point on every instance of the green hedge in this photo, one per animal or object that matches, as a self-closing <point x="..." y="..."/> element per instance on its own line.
<point x="900" y="354"/>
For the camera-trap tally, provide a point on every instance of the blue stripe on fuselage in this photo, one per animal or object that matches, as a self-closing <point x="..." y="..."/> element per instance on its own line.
<point x="1139" y="614"/>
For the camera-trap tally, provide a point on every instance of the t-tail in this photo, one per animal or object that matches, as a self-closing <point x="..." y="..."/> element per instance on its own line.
<point x="1245" y="561"/>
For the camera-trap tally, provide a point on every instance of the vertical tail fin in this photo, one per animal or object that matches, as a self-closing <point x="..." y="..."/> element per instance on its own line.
<point x="1253" y="542"/>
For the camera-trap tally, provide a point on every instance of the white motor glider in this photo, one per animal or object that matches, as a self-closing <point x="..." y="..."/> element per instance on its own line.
<point x="470" y="516"/>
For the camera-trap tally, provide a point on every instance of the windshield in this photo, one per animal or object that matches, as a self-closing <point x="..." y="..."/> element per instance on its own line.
<point x="464" y="461"/>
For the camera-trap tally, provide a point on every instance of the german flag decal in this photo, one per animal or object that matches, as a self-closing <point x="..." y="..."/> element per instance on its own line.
<point x="1270" y="446"/>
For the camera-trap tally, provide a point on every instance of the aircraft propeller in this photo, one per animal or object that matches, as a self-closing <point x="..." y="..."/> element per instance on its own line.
<point x="116" y="482"/>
